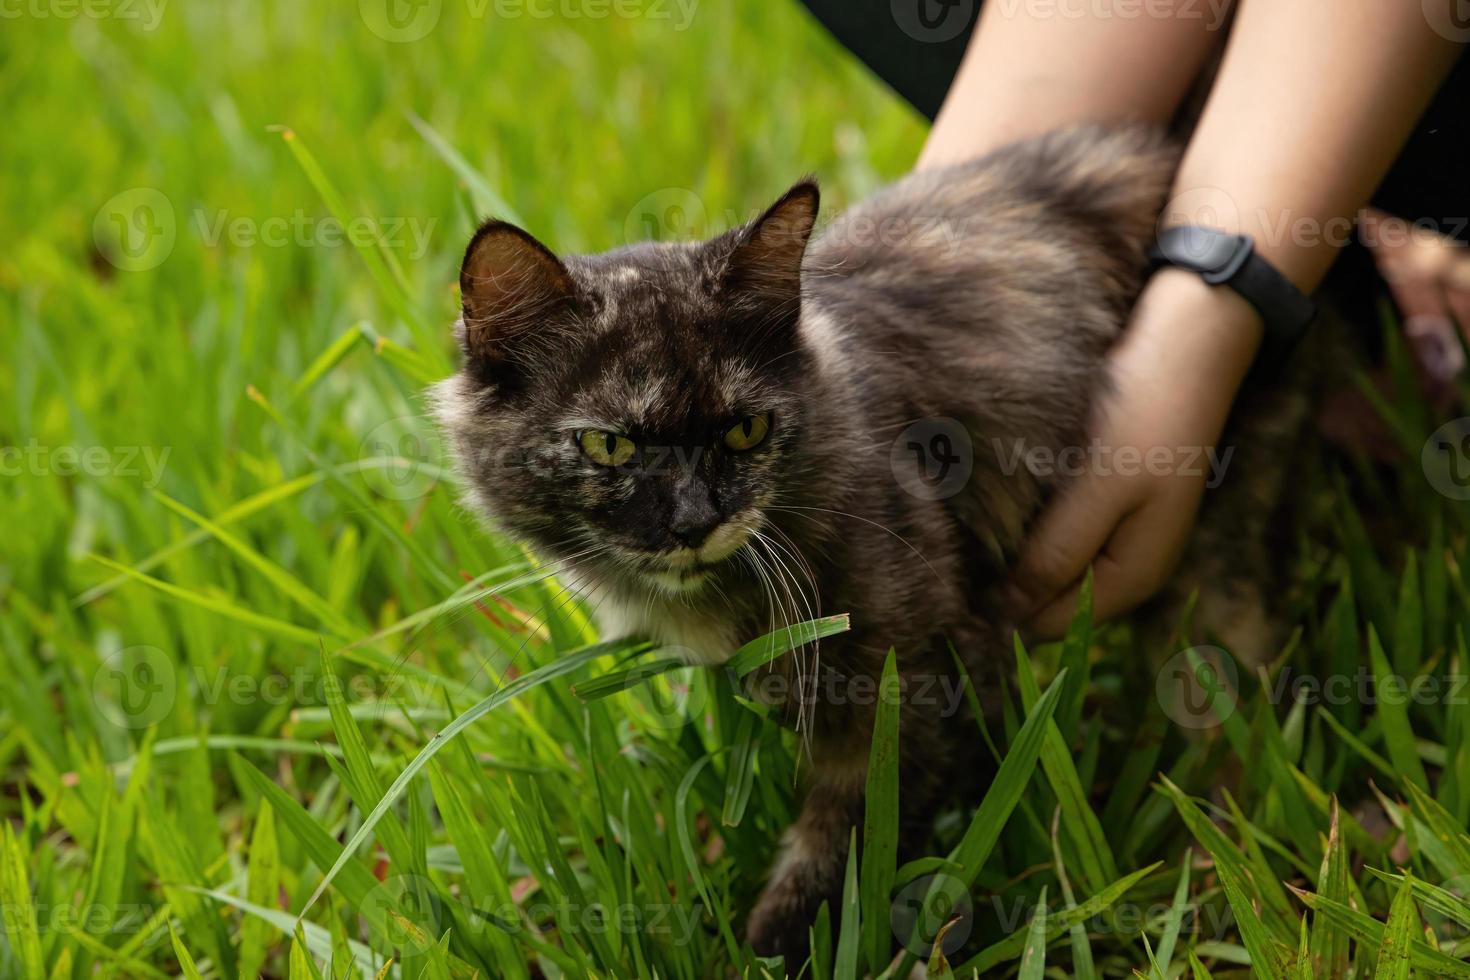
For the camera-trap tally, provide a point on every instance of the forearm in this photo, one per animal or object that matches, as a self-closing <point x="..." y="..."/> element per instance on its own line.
<point x="1314" y="100"/>
<point x="1038" y="65"/>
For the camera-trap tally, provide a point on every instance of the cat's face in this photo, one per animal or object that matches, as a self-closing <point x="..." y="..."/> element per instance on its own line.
<point x="635" y="411"/>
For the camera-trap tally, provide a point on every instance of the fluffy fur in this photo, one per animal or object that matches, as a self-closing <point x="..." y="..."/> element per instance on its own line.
<point x="986" y="294"/>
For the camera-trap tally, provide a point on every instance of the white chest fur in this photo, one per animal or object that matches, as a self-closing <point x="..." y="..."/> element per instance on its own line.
<point x="693" y="635"/>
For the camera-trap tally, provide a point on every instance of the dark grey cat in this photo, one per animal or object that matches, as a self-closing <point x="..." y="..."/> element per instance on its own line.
<point x="722" y="437"/>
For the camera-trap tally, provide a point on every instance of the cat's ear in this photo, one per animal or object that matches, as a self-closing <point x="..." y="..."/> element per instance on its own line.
<point x="509" y="283"/>
<point x="767" y="253"/>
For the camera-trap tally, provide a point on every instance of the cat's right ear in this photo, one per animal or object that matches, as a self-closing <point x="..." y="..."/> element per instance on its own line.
<point x="509" y="283"/>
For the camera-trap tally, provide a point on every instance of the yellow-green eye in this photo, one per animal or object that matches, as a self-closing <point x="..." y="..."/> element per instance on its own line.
<point x="749" y="432"/>
<point x="606" y="448"/>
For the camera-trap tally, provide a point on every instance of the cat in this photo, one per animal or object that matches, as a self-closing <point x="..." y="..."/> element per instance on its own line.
<point x="712" y="439"/>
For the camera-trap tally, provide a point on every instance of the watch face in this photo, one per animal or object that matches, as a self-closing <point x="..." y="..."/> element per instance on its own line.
<point x="1214" y="254"/>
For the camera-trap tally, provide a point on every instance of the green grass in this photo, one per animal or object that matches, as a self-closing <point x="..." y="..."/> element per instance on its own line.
<point x="232" y="616"/>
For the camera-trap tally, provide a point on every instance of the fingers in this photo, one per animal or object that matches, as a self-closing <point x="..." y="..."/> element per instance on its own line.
<point x="1066" y="538"/>
<point x="1136" y="562"/>
<point x="1050" y="622"/>
<point x="1430" y="279"/>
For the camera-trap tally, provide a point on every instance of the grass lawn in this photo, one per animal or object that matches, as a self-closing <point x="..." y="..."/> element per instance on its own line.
<point x="238" y="598"/>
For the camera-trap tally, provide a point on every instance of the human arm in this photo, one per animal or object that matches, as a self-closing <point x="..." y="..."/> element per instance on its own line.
<point x="1312" y="103"/>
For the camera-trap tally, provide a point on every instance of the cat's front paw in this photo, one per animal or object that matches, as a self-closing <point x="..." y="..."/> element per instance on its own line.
<point x="777" y="929"/>
<point x="780" y="923"/>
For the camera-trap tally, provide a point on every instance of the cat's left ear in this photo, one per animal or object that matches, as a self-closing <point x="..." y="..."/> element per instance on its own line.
<point x="511" y="286"/>
<point x="767" y="253"/>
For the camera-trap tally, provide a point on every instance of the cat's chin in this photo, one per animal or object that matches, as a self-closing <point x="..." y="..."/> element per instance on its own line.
<point x="678" y="581"/>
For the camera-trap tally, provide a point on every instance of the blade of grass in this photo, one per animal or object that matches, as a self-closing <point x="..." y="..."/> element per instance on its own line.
<point x="759" y="652"/>
<point x="263" y="882"/>
<point x="880" y="820"/>
<point x="1393" y="716"/>
<point x="995" y="809"/>
<point x="186" y="962"/>
<point x="1033" y="957"/>
<point x="845" y="961"/>
<point x="1078" y="820"/>
<point x="1236" y="878"/>
<point x="568" y="663"/>
<point x="1174" y="919"/>
<point x="1014" y="945"/>
<point x="1329" y="941"/>
<point x="1368" y="931"/>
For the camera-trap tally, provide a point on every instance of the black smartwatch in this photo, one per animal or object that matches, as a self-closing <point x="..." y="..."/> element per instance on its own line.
<point x="1222" y="259"/>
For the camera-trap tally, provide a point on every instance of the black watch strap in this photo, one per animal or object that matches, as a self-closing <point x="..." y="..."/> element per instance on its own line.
<point x="1223" y="259"/>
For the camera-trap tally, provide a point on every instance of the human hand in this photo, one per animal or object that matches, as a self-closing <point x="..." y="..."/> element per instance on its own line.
<point x="1175" y="372"/>
<point x="1429" y="274"/>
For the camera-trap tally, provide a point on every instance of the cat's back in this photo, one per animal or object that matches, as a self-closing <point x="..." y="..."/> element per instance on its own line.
<point x="1057" y="224"/>
<point x="987" y="295"/>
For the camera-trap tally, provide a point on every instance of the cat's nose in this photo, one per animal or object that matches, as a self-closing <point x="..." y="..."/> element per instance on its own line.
<point x="693" y="519"/>
<point x="692" y="533"/>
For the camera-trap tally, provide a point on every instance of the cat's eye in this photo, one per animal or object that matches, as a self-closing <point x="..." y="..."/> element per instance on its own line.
<point x="749" y="432"/>
<point x="606" y="448"/>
